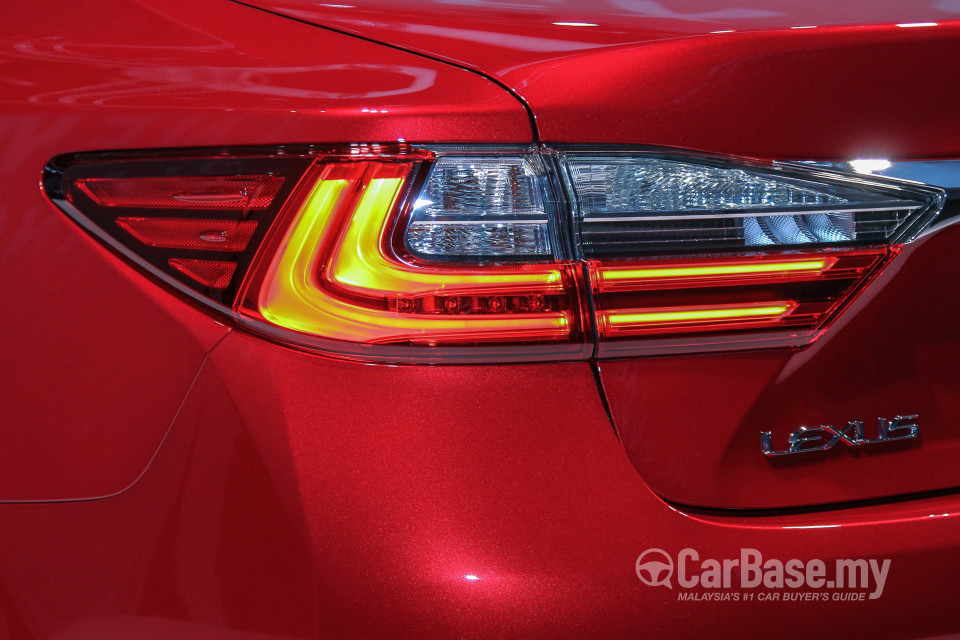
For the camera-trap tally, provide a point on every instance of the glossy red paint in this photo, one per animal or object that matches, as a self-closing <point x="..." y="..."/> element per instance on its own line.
<point x="500" y="37"/>
<point x="161" y="74"/>
<point x="96" y="360"/>
<point x="808" y="77"/>
<point x="260" y="492"/>
<point x="277" y="510"/>
<point x="691" y="425"/>
<point x="824" y="94"/>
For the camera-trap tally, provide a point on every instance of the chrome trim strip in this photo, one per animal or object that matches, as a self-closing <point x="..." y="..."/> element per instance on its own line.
<point x="757" y="213"/>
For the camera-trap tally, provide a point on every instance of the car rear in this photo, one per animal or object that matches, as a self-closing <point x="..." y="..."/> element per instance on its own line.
<point x="352" y="346"/>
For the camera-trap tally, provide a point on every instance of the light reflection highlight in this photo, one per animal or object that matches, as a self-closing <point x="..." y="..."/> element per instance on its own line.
<point x="869" y="165"/>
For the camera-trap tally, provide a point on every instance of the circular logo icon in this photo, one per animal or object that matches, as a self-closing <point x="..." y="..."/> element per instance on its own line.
<point x="655" y="568"/>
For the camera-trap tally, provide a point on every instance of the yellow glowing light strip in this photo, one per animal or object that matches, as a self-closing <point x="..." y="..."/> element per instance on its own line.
<point x="289" y="283"/>
<point x="750" y="268"/>
<point x="292" y="297"/>
<point x="678" y="314"/>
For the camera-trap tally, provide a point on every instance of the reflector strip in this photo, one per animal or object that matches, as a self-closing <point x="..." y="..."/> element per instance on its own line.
<point x="210" y="273"/>
<point x="182" y="192"/>
<point x="184" y="233"/>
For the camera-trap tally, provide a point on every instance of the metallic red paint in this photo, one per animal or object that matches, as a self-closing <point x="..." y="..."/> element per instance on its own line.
<point x="691" y="425"/>
<point x="500" y="37"/>
<point x="826" y="94"/>
<point x="90" y="386"/>
<point x="277" y="510"/>
<point x="161" y="74"/>
<point x="97" y="360"/>
<point x="810" y="80"/>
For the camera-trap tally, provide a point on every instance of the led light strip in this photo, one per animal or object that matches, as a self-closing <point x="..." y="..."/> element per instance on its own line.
<point x="729" y="269"/>
<point x="296" y="294"/>
<point x="724" y="269"/>
<point x="676" y="315"/>
<point x="670" y="274"/>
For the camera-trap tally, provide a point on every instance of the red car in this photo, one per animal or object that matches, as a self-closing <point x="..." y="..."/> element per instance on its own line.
<point x="429" y="319"/>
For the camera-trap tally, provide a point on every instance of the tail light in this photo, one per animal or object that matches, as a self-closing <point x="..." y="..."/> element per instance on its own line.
<point x="689" y="253"/>
<point x="429" y="254"/>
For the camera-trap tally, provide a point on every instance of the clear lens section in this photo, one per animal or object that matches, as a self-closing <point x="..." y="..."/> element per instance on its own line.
<point x="654" y="184"/>
<point x="481" y="207"/>
<point x="634" y="204"/>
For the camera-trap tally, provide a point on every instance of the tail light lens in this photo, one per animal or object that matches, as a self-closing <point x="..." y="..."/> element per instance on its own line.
<point x="193" y="220"/>
<point x="340" y="273"/>
<point x="690" y="253"/>
<point x="634" y="204"/>
<point x="734" y="301"/>
<point x="403" y="253"/>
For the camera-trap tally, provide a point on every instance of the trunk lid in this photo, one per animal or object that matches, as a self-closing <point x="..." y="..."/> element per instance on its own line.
<point x="767" y="78"/>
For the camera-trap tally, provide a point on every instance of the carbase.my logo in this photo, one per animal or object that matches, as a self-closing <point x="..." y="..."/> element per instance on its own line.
<point x="655" y="568"/>
<point x="846" y="579"/>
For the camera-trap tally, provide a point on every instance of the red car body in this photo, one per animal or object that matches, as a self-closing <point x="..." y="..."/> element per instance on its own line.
<point x="168" y="474"/>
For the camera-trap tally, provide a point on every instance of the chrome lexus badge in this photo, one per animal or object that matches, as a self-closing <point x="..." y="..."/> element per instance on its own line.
<point x="825" y="437"/>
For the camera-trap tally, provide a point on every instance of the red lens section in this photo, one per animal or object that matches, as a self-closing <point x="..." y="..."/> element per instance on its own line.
<point x="244" y="192"/>
<point x="210" y="273"/>
<point x="184" y="233"/>
<point x="718" y="299"/>
<point x="194" y="219"/>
